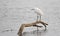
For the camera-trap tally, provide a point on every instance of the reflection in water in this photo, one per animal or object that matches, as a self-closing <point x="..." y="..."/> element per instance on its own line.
<point x="35" y="33"/>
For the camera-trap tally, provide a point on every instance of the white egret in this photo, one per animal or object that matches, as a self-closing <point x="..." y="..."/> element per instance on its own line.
<point x="39" y="13"/>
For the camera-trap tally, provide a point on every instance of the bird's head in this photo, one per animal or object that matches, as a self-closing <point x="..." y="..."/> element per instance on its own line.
<point x="38" y="11"/>
<point x="35" y="9"/>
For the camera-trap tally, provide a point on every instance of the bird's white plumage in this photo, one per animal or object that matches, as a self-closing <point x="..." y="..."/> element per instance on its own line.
<point x="38" y="11"/>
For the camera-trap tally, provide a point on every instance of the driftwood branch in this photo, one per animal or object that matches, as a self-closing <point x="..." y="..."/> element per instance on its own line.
<point x="29" y="25"/>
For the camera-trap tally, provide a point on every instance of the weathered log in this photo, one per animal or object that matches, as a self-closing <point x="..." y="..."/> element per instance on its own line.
<point x="31" y="24"/>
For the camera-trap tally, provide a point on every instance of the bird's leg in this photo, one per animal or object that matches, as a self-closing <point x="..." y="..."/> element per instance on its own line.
<point x="40" y="17"/>
<point x="37" y="17"/>
<point x="37" y="20"/>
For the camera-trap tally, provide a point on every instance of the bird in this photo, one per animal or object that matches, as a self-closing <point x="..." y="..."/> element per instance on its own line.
<point x="38" y="11"/>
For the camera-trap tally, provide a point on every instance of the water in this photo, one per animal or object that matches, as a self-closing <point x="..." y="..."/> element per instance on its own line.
<point x="15" y="12"/>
